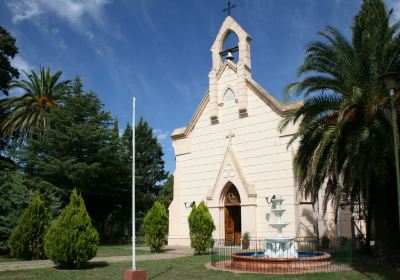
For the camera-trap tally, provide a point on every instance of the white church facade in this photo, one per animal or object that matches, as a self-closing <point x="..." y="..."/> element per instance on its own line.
<point x="232" y="156"/>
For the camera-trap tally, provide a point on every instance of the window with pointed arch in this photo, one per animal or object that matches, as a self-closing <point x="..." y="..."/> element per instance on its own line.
<point x="229" y="95"/>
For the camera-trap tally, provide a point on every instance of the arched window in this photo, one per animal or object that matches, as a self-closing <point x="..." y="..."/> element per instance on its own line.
<point x="229" y="95"/>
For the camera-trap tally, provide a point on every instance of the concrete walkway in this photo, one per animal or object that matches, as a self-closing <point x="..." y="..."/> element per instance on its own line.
<point x="170" y="252"/>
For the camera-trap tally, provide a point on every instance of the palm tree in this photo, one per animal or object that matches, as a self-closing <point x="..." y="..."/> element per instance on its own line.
<point x="345" y="134"/>
<point x="27" y="113"/>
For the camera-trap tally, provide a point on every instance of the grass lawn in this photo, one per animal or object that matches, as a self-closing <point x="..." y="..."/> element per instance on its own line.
<point x="103" y="251"/>
<point x="181" y="268"/>
<point x="5" y="258"/>
<point x="118" y="250"/>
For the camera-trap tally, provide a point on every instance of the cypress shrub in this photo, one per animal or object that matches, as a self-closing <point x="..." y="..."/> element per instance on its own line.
<point x="72" y="240"/>
<point x="27" y="238"/>
<point x="156" y="227"/>
<point x="201" y="226"/>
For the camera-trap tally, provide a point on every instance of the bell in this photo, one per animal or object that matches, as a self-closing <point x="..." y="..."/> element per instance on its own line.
<point x="230" y="56"/>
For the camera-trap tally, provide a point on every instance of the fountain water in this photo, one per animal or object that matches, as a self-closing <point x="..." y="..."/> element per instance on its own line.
<point x="279" y="247"/>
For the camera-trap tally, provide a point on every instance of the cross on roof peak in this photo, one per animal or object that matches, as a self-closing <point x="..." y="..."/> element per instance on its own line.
<point x="229" y="8"/>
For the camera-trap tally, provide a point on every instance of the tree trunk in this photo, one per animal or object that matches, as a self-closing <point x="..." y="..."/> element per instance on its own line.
<point x="384" y="209"/>
<point x="368" y="222"/>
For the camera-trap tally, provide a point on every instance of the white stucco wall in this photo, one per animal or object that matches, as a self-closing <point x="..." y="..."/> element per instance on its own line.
<point x="262" y="155"/>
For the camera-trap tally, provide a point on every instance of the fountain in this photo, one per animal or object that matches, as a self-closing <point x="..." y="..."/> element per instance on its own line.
<point x="280" y="254"/>
<point x="279" y="247"/>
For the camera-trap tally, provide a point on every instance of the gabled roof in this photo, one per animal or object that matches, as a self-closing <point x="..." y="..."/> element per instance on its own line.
<point x="278" y="107"/>
<point x="238" y="175"/>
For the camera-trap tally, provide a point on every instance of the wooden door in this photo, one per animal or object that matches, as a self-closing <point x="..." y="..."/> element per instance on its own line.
<point x="229" y="228"/>
<point x="233" y="219"/>
<point x="233" y="232"/>
<point x="237" y="224"/>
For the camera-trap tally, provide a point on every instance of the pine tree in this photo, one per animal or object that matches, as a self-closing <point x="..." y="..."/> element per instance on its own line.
<point x="166" y="193"/>
<point x="27" y="238"/>
<point x="81" y="149"/>
<point x="14" y="199"/>
<point x="149" y="166"/>
<point x="201" y="226"/>
<point x="72" y="240"/>
<point x="156" y="227"/>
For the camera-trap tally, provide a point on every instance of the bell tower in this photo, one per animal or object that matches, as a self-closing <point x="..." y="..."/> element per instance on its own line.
<point x="220" y="58"/>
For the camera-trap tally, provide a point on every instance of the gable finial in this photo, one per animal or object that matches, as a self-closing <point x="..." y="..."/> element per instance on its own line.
<point x="229" y="8"/>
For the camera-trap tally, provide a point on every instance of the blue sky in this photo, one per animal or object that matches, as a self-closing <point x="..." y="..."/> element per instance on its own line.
<point x="158" y="50"/>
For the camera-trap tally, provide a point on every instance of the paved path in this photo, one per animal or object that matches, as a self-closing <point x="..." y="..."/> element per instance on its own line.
<point x="170" y="253"/>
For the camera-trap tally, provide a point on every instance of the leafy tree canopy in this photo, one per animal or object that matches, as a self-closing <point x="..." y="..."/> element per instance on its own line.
<point x="165" y="195"/>
<point x="149" y="171"/>
<point x="26" y="114"/>
<point x="345" y="130"/>
<point x="8" y="50"/>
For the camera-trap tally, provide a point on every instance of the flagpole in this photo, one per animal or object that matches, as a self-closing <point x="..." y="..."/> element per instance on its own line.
<point x="133" y="186"/>
<point x="134" y="274"/>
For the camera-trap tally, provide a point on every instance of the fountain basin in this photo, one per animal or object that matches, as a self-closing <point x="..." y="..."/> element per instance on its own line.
<point x="278" y="225"/>
<point x="256" y="262"/>
<point x="279" y="239"/>
<point x="278" y="212"/>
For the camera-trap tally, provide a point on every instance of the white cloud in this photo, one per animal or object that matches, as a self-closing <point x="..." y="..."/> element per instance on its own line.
<point x="161" y="135"/>
<point x="164" y="138"/>
<point x="62" y="44"/>
<point x="21" y="64"/>
<point x="395" y="5"/>
<point x="90" y="35"/>
<point x="71" y="10"/>
<point x="55" y="31"/>
<point x="24" y="10"/>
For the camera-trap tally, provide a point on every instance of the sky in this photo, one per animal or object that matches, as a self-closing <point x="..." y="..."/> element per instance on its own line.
<point x="159" y="50"/>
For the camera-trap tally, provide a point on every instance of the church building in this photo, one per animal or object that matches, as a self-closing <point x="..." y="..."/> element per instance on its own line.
<point x="232" y="156"/>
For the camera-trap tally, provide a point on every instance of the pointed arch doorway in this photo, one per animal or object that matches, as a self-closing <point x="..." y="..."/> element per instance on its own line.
<point x="232" y="217"/>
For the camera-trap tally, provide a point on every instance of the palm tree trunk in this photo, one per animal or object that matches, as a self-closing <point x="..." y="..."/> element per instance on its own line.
<point x="383" y="204"/>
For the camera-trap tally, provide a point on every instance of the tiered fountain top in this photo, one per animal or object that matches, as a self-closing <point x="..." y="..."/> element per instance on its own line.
<point x="278" y="223"/>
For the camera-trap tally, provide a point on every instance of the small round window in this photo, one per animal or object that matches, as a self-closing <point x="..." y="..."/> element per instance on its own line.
<point x="229" y="95"/>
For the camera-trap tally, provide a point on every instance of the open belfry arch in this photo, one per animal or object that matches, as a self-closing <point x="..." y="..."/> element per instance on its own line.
<point x="232" y="156"/>
<point x="242" y="69"/>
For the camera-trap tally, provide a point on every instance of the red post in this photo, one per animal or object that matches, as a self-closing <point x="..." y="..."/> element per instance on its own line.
<point x="138" y="274"/>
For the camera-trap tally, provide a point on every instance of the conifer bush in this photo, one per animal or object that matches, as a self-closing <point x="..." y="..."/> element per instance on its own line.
<point x="27" y="238"/>
<point x="201" y="226"/>
<point x="72" y="240"/>
<point x="156" y="227"/>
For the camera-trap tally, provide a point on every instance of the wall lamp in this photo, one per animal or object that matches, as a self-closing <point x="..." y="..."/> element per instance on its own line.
<point x="270" y="201"/>
<point x="190" y="205"/>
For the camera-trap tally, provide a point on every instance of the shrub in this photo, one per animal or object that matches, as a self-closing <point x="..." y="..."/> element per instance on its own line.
<point x="246" y="236"/>
<point x="156" y="227"/>
<point x="72" y="240"/>
<point x="325" y="242"/>
<point x="201" y="226"/>
<point x="27" y="238"/>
